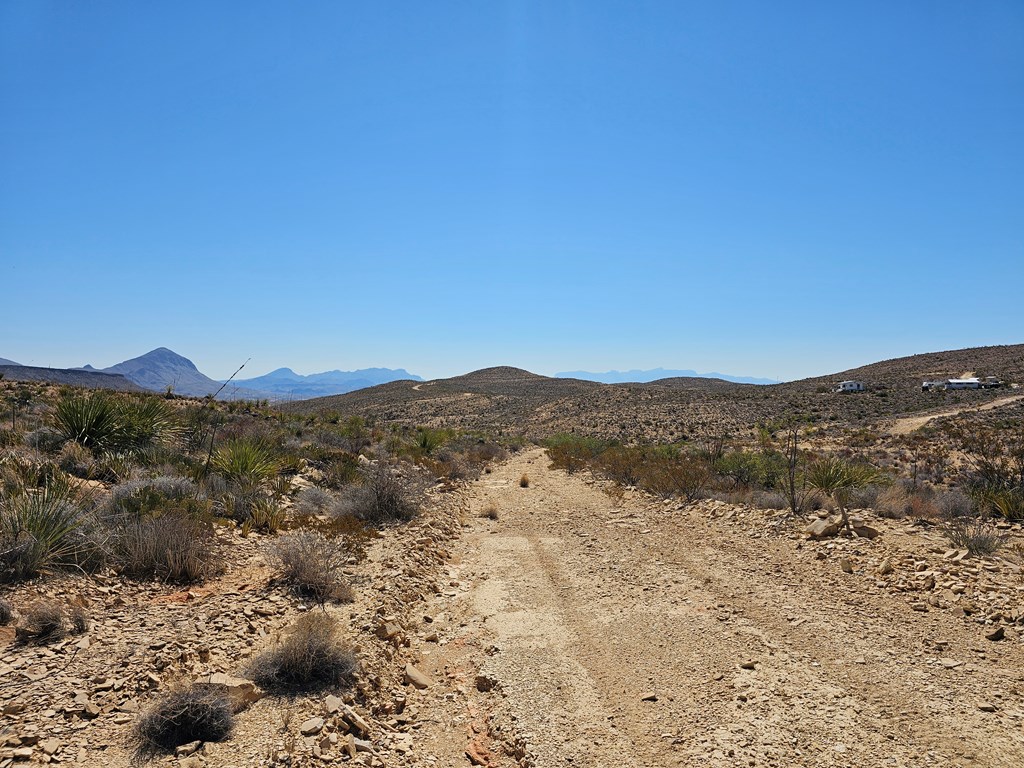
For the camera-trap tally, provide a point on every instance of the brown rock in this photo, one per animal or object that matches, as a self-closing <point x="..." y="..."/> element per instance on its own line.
<point x="823" y="528"/>
<point x="312" y="727"/>
<point x="240" y="691"/>
<point x="997" y="634"/>
<point x="416" y="678"/>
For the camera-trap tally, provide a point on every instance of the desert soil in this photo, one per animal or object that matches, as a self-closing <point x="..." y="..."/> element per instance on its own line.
<point x="590" y="633"/>
<point x="576" y="629"/>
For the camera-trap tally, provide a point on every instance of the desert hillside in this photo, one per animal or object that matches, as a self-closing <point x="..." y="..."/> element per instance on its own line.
<point x="514" y="401"/>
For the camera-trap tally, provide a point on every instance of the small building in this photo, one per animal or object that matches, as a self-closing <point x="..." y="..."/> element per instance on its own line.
<point x="850" y="386"/>
<point x="973" y="383"/>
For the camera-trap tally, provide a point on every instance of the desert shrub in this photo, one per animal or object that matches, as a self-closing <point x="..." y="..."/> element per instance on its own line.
<point x="954" y="503"/>
<point x="6" y="612"/>
<point x="9" y="437"/>
<point x="769" y="500"/>
<point x="44" y="622"/>
<point x="342" y="470"/>
<point x="145" y="421"/>
<point x="524" y="481"/>
<point x="173" y="547"/>
<point x="265" y="514"/>
<point x="742" y="467"/>
<point x="866" y="497"/>
<point x="975" y="534"/>
<point x="114" y="466"/>
<point x="48" y="621"/>
<point x="75" y="460"/>
<point x="893" y="502"/>
<point x="310" y="656"/>
<point x="141" y="498"/>
<point x="313" y="501"/>
<point x="668" y="476"/>
<point x="196" y="713"/>
<point x="385" y="496"/>
<point x="38" y="527"/>
<point x="620" y="464"/>
<point x="490" y="511"/>
<point x="245" y="462"/>
<point x="573" y="452"/>
<point x="45" y="439"/>
<point x="90" y="419"/>
<point x="312" y="565"/>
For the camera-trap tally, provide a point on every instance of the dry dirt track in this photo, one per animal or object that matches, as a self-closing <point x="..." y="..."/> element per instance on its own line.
<point x="755" y="652"/>
<point x="911" y="423"/>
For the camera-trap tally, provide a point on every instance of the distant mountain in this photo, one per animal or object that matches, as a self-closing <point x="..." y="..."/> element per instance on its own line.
<point x="641" y="377"/>
<point x="162" y="368"/>
<point x="5" y="361"/>
<point x="286" y="384"/>
<point x="74" y="377"/>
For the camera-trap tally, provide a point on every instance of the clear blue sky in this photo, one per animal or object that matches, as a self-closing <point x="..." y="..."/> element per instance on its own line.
<point x="770" y="189"/>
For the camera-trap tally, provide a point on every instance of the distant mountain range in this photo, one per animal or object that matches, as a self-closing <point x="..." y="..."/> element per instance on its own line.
<point x="654" y="374"/>
<point x="285" y="384"/>
<point x="163" y="368"/>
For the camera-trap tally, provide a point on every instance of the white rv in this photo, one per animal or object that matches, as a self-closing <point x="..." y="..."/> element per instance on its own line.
<point x="850" y="386"/>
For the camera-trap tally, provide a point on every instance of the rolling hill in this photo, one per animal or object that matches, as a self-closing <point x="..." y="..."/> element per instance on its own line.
<point x="512" y="400"/>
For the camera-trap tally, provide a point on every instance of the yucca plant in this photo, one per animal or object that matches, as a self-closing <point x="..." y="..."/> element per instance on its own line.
<point x="38" y="527"/>
<point x="145" y="422"/>
<point x="839" y="478"/>
<point x="101" y="422"/>
<point x="245" y="462"/>
<point x="89" y="419"/>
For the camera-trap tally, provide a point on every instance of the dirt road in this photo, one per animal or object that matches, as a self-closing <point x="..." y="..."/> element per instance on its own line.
<point x="907" y="425"/>
<point x="651" y="635"/>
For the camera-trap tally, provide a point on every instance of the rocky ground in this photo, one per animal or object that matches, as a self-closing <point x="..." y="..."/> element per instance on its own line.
<point x="591" y="633"/>
<point x="557" y="625"/>
<point x="74" y="701"/>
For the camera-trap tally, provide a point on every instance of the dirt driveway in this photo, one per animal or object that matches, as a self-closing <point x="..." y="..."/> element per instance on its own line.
<point x="645" y="634"/>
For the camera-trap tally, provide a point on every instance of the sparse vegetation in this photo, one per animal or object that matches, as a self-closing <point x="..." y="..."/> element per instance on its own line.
<point x="47" y="621"/>
<point x="310" y="656"/>
<point x="838" y="478"/>
<point x="38" y="528"/>
<point x="524" y="481"/>
<point x="173" y="547"/>
<point x="385" y="496"/>
<point x="490" y="512"/>
<point x="312" y="565"/>
<point x="195" y="713"/>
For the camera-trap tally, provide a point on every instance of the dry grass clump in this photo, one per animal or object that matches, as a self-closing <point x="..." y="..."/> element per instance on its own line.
<point x="310" y="656"/>
<point x="385" y="496"/>
<point x="977" y="535"/>
<point x="312" y="565"/>
<point x="490" y="512"/>
<point x="196" y="713"/>
<point x="173" y="547"/>
<point x="524" y="481"/>
<point x="313" y="501"/>
<point x="48" y="621"/>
